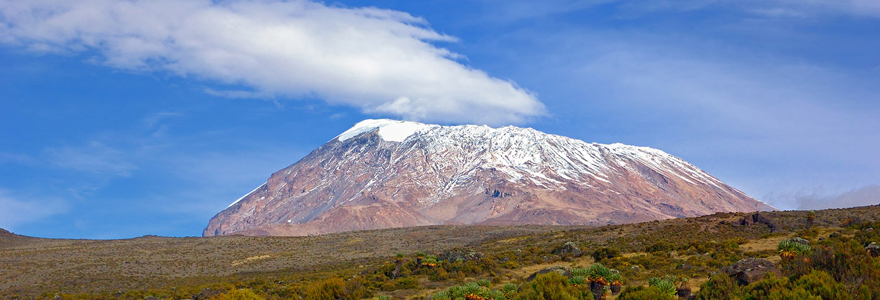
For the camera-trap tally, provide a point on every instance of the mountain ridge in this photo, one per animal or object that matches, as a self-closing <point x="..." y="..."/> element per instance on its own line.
<point x="386" y="173"/>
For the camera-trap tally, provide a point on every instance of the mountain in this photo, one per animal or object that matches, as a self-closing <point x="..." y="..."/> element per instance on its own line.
<point x="385" y="173"/>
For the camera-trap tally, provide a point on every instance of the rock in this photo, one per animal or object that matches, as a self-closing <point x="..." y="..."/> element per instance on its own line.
<point x="558" y="269"/>
<point x="462" y="255"/>
<point x="873" y="249"/>
<point x="684" y="267"/>
<point x="748" y="270"/>
<point x="151" y="298"/>
<point x="568" y="249"/>
<point x="800" y="241"/>
<point x="206" y="294"/>
<point x="760" y="218"/>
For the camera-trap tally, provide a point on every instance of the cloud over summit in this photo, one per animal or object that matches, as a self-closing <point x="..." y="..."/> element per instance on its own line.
<point x="381" y="61"/>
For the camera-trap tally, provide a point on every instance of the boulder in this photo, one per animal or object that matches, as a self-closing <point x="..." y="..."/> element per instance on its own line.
<point x="800" y="241"/>
<point x="873" y="249"/>
<point x="462" y="255"/>
<point x="748" y="270"/>
<point x="558" y="269"/>
<point x="568" y="249"/>
<point x="207" y="294"/>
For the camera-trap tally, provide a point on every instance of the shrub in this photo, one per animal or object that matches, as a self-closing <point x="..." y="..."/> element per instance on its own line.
<point x="242" y="294"/>
<point x="719" y="287"/>
<point x="821" y="284"/>
<point x="644" y="293"/>
<point x="552" y="286"/>
<point x="603" y="253"/>
<point x="327" y="289"/>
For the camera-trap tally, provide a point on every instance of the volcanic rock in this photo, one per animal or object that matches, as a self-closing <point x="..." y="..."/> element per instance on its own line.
<point x="748" y="270"/>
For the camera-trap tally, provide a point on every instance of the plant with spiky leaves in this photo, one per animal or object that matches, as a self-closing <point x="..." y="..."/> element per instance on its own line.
<point x="577" y="280"/>
<point x="470" y="291"/>
<point x="430" y="261"/>
<point x="666" y="284"/>
<point x="583" y="272"/>
<point x="794" y="247"/>
<point x="615" y="281"/>
<point x="614" y="277"/>
<point x="599" y="273"/>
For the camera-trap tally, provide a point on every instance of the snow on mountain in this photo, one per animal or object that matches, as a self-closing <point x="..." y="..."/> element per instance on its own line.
<point x="389" y="130"/>
<point x="386" y="173"/>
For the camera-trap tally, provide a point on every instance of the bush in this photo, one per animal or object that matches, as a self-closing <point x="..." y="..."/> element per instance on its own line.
<point x="550" y="286"/>
<point x="327" y="289"/>
<point x="719" y="287"/>
<point x="603" y="253"/>
<point x="242" y="294"/>
<point x="644" y="293"/>
<point x="823" y="285"/>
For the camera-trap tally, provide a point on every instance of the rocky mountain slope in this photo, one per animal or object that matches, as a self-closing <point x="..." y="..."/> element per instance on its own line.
<point x="385" y="173"/>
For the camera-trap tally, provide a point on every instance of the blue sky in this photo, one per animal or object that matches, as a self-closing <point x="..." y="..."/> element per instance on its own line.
<point x="125" y="118"/>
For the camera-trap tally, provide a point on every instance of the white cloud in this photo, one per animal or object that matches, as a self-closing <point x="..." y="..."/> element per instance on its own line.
<point x="363" y="57"/>
<point x="16" y="211"/>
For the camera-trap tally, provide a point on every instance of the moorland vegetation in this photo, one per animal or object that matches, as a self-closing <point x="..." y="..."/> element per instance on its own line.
<point x="829" y="254"/>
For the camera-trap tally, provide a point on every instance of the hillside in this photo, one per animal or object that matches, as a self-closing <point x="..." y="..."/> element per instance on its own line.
<point x="283" y="267"/>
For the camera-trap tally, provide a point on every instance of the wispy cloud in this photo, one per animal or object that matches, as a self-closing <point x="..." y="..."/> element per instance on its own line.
<point x="17" y="211"/>
<point x="821" y="199"/>
<point x="523" y="9"/>
<point x="381" y="61"/>
<point x="16" y="158"/>
<point x="95" y="158"/>
<point x="764" y="120"/>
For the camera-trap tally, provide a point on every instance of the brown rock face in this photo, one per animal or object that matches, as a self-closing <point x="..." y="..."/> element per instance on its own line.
<point x="383" y="174"/>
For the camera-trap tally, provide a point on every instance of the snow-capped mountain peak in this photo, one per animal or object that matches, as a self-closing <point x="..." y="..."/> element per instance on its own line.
<point x="389" y="130"/>
<point x="386" y="173"/>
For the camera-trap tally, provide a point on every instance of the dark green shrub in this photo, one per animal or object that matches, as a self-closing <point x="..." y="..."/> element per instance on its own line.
<point x="644" y="293"/>
<point x="327" y="289"/>
<point x="720" y="287"/>
<point x="821" y="284"/>
<point x="550" y="286"/>
<point x="604" y="252"/>
<point x="242" y="294"/>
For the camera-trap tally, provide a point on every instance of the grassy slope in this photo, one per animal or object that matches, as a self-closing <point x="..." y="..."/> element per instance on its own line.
<point x="30" y="267"/>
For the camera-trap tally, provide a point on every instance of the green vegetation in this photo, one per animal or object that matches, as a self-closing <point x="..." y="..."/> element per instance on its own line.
<point x="794" y="247"/>
<point x="664" y="285"/>
<point x="649" y="260"/>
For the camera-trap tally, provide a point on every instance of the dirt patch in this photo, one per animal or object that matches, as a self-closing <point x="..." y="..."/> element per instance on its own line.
<point x="769" y="243"/>
<point x="249" y="259"/>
